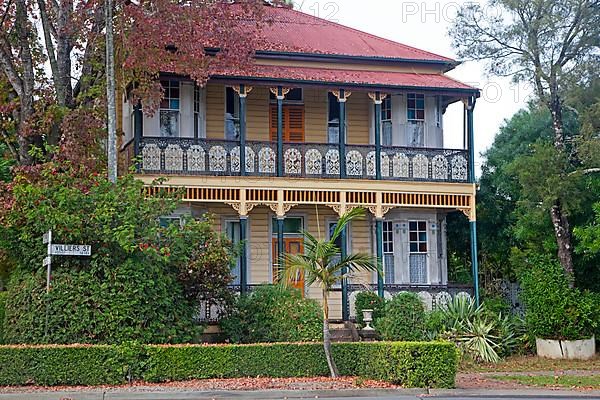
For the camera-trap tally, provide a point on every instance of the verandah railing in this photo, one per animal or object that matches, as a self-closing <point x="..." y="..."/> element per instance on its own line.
<point x="188" y="156"/>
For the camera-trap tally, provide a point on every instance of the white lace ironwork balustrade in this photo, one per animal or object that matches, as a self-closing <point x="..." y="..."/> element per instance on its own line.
<point x="385" y="164"/>
<point x="354" y="163"/>
<point x="293" y="161"/>
<point x="420" y="166"/>
<point x="196" y="158"/>
<point x="400" y="165"/>
<point x="266" y="161"/>
<point x="332" y="162"/>
<point x="235" y="159"/>
<point x="217" y="159"/>
<point x="313" y="162"/>
<point x="173" y="158"/>
<point x="151" y="157"/>
<point x="439" y="167"/>
<point x="459" y="168"/>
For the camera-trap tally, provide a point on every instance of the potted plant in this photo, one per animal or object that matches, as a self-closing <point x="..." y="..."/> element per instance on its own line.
<point x="561" y="318"/>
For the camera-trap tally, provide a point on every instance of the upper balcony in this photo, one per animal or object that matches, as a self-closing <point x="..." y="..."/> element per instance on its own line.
<point x="298" y="133"/>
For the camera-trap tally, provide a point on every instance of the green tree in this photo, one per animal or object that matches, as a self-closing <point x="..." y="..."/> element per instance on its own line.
<point x="321" y="264"/>
<point x="552" y="44"/>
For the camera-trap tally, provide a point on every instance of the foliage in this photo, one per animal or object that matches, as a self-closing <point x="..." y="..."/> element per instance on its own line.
<point x="130" y="301"/>
<point x="2" y="312"/>
<point x="368" y="301"/>
<point x="273" y="314"/>
<point x="551" y="44"/>
<point x="589" y="235"/>
<point x="412" y="364"/>
<point x="403" y="318"/>
<point x="136" y="284"/>
<point x="203" y="269"/>
<point x="322" y="265"/>
<point x="480" y="334"/>
<point x="553" y="309"/>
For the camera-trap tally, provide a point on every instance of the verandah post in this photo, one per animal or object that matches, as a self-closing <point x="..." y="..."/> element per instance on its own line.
<point x="473" y="222"/>
<point x="138" y="127"/>
<point x="243" y="254"/>
<point x="280" y="97"/>
<point x="344" y="253"/>
<point x="342" y="134"/>
<point x="379" y="244"/>
<point x="377" y="100"/>
<point x="242" y="94"/>
<point x="280" y="244"/>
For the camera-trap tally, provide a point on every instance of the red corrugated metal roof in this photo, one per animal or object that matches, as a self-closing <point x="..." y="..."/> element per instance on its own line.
<point x="289" y="30"/>
<point x="344" y="76"/>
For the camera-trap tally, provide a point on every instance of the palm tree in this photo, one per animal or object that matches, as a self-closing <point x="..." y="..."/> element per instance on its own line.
<point x="321" y="264"/>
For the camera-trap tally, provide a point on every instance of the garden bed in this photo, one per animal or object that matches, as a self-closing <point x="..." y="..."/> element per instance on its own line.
<point x="410" y="364"/>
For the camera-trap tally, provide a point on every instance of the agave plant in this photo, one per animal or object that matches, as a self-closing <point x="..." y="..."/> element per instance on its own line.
<point x="475" y="332"/>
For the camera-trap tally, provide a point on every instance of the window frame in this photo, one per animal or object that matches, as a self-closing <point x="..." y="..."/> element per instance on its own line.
<point x="418" y="241"/>
<point x="167" y="96"/>
<point x="286" y="100"/>
<point x="415" y="97"/>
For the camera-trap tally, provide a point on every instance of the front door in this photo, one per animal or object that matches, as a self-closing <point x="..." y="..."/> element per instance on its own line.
<point x="292" y="245"/>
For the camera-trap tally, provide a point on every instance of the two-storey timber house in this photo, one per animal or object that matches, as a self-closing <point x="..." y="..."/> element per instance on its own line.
<point x="341" y="119"/>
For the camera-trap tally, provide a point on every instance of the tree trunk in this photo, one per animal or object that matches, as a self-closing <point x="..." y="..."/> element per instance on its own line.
<point x="560" y="221"/>
<point x="110" y="95"/>
<point x="562" y="232"/>
<point x="327" y="337"/>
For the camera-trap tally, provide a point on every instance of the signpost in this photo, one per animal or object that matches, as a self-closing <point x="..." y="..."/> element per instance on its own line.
<point x="56" y="249"/>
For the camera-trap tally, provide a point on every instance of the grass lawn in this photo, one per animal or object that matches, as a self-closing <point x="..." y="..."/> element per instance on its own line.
<point x="571" y="381"/>
<point x="532" y="363"/>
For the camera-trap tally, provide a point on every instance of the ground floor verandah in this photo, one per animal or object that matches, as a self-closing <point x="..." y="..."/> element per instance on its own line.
<point x="413" y="250"/>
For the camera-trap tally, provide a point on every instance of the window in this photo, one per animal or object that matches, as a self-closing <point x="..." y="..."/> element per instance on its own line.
<point x="415" y="107"/>
<point x="295" y="95"/>
<point x="232" y="230"/>
<point x="169" y="109"/>
<point x="333" y="125"/>
<point x="291" y="225"/>
<point x="415" y="115"/>
<point x="232" y="114"/>
<point x="438" y="111"/>
<point x="338" y="242"/>
<point x="388" y="252"/>
<point x="386" y="121"/>
<point x="418" y="251"/>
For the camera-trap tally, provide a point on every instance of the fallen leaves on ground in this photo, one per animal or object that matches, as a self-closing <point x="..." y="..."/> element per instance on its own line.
<point x="318" y="383"/>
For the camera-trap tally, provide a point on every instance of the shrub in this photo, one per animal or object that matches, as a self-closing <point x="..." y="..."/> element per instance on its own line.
<point x="368" y="301"/>
<point x="553" y="309"/>
<point x="403" y="318"/>
<point x="412" y="364"/>
<point x="435" y="324"/>
<point x="132" y="301"/>
<point x="136" y="285"/>
<point x="480" y="334"/>
<point x="273" y="314"/>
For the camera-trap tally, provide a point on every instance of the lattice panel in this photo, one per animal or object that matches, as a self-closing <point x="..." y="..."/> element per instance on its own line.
<point x="198" y="194"/>
<point x="312" y="197"/>
<point x="261" y="195"/>
<point x="423" y="199"/>
<point x="360" y="198"/>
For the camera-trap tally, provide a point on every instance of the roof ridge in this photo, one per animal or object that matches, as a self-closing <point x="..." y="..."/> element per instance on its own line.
<point x="324" y="21"/>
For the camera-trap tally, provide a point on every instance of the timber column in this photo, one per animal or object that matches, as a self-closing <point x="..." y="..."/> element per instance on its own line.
<point x="377" y="98"/>
<point x="342" y="95"/>
<point x="279" y="93"/>
<point x="470" y="106"/>
<point x="242" y="91"/>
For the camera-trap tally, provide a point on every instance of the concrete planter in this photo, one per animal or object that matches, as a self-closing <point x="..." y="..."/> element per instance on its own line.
<point x="566" y="349"/>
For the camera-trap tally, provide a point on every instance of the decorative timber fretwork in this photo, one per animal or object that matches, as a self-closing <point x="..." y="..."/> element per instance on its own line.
<point x="280" y="201"/>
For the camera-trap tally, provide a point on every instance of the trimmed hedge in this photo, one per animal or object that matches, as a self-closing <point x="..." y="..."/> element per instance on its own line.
<point x="412" y="364"/>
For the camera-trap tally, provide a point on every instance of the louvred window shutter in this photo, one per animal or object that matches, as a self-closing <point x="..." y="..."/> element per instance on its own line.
<point x="293" y="123"/>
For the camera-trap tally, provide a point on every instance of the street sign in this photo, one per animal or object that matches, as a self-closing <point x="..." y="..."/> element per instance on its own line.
<point x="47" y="237"/>
<point x="47" y="261"/>
<point x="70" y="249"/>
